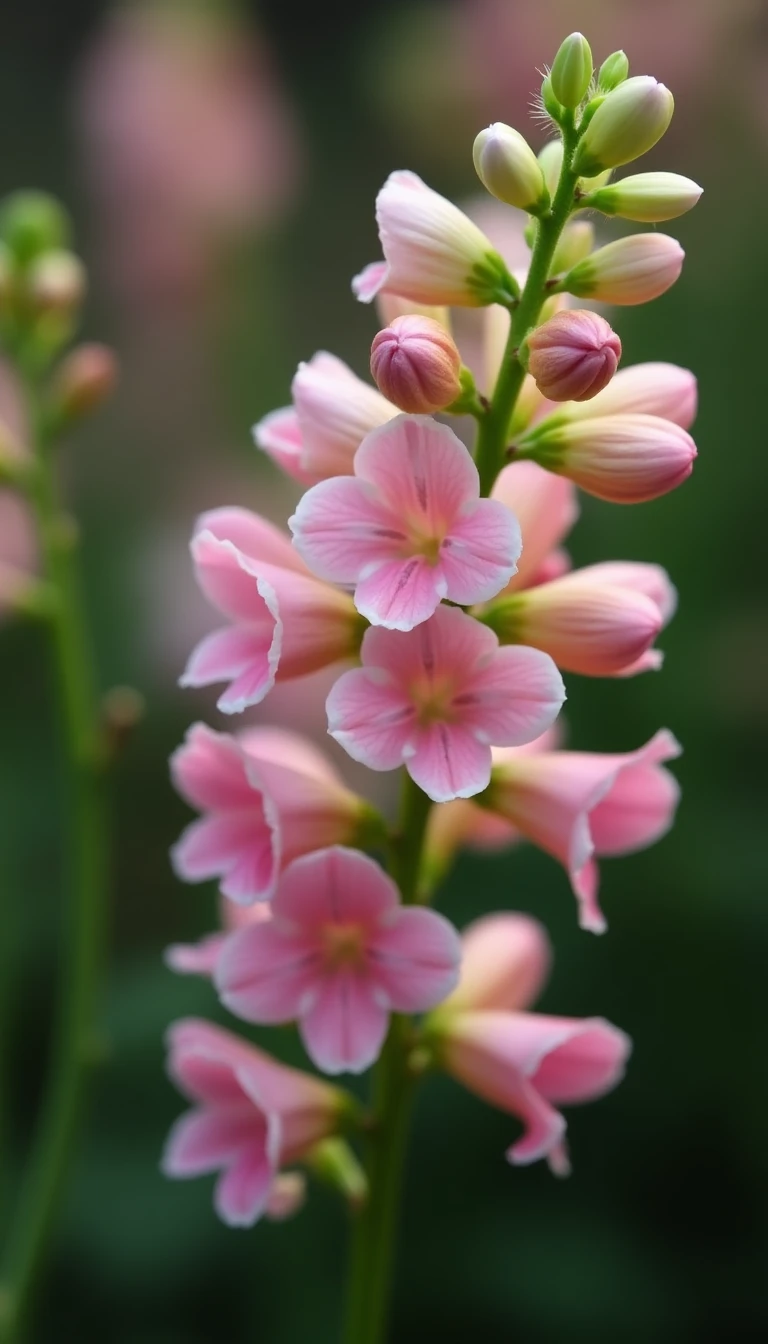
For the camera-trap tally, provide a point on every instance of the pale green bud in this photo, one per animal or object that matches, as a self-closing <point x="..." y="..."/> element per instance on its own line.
<point x="571" y="71"/>
<point x="626" y="124"/>
<point x="648" y="198"/>
<point x="32" y="223"/>
<point x="57" y="281"/>
<point x="576" y="243"/>
<point x="613" y="71"/>
<point x="551" y="160"/>
<point x="552" y="106"/>
<point x="509" y="169"/>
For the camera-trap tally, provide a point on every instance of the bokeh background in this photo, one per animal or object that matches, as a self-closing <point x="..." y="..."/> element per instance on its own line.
<point x="221" y="166"/>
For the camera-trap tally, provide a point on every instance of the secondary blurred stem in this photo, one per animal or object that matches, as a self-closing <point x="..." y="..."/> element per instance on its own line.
<point x="494" y="427"/>
<point x="75" y="1044"/>
<point x="375" y="1231"/>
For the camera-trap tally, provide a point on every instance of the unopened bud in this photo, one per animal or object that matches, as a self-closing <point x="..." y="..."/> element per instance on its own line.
<point x="573" y="356"/>
<point x="571" y="70"/>
<point x="576" y="242"/>
<point x="626" y="124"/>
<point x="416" y="365"/>
<point x="57" y="282"/>
<point x="552" y="105"/>
<point x="648" y="198"/>
<point x="32" y="223"/>
<point x="509" y="169"/>
<point x="85" y="379"/>
<point x="551" y="163"/>
<point x="631" y="270"/>
<point x="613" y="71"/>
<point x="625" y="459"/>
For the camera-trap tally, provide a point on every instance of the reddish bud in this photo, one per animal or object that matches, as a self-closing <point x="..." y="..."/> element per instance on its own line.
<point x="416" y="364"/>
<point x="85" y="379"/>
<point x="573" y="356"/>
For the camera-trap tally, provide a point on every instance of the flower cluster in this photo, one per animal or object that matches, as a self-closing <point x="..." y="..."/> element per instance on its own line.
<point x="432" y="575"/>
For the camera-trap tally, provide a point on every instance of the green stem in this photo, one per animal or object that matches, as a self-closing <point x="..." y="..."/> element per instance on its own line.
<point x="374" y="1236"/>
<point x="76" y="1045"/>
<point x="493" y="430"/>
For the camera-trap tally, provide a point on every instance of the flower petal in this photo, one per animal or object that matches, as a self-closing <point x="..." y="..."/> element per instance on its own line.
<point x="242" y="1192"/>
<point x="266" y="971"/>
<point x="401" y="594"/>
<point x="414" y="959"/>
<point x="370" y="716"/>
<point x="344" y="1029"/>
<point x="480" y="555"/>
<point x="449" y="762"/>
<point x="204" y="1140"/>
<point x="208" y="771"/>
<point x="515" y="698"/>
<point x="505" y="963"/>
<point x="246" y="656"/>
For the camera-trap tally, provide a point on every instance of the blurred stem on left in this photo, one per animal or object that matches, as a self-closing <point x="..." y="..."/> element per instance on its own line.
<point x="41" y="287"/>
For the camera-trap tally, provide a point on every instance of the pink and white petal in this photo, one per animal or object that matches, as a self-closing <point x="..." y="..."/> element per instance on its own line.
<point x="505" y="963"/>
<point x="585" y="881"/>
<point x="651" y="580"/>
<point x="480" y="554"/>
<point x="370" y="281"/>
<point x="514" y="699"/>
<point x="195" y="958"/>
<point x="266" y="972"/>
<point x="344" y="1029"/>
<point x="246" y="656"/>
<point x="279" y="436"/>
<point x="544" y="1127"/>
<point x="420" y="469"/>
<point x="638" y="810"/>
<point x="242" y="1192"/>
<point x="370" y="716"/>
<point x="230" y="579"/>
<point x="204" y="1140"/>
<point x="401" y="594"/>
<point x="282" y="758"/>
<point x="251" y="534"/>
<point x="208" y="771"/>
<point x="340" y="529"/>
<point x="253" y="874"/>
<point x="213" y="844"/>
<point x="335" y="885"/>
<point x="413" y="958"/>
<point x="449" y="762"/>
<point x="587" y="1062"/>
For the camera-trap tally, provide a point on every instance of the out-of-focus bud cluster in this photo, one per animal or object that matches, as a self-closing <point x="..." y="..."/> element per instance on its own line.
<point x="42" y="282"/>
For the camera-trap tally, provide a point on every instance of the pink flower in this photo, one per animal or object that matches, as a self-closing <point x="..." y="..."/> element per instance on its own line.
<point x="625" y="459"/>
<point x="251" y="1116"/>
<point x="416" y="363"/>
<point x="332" y="412"/>
<point x="433" y="253"/>
<point x="435" y="698"/>
<point x="284" y="622"/>
<point x="267" y="796"/>
<point x="524" y="1063"/>
<point x="578" y="806"/>
<point x="339" y="954"/>
<point x="410" y="527"/>
<point x="573" y="355"/>
<point x="545" y="505"/>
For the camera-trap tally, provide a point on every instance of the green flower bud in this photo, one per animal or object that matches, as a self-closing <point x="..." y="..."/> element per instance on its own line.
<point x="626" y="124"/>
<point x="32" y="223"/>
<point x="551" y="160"/>
<point x="57" y="281"/>
<point x="509" y="169"/>
<point x="613" y="71"/>
<point x="648" y="198"/>
<point x="571" y="71"/>
<point x="552" y="106"/>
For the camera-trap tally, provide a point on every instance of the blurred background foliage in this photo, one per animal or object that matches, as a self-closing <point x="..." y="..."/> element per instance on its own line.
<point x="221" y="166"/>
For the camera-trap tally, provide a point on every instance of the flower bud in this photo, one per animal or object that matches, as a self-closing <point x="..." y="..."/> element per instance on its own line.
<point x="551" y="163"/>
<point x="573" y="356"/>
<point x="629" y="271"/>
<point x="625" y="459"/>
<point x="550" y="103"/>
<point x="85" y="379"/>
<point x="509" y="169"/>
<point x="57" y="281"/>
<point x="416" y="364"/>
<point x="571" y="70"/>
<point x="576" y="242"/>
<point x="613" y="71"/>
<point x="626" y="124"/>
<point x="32" y="223"/>
<point x="648" y="198"/>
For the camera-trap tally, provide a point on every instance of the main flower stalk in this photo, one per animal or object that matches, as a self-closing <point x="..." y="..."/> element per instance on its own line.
<point x="77" y="1045"/>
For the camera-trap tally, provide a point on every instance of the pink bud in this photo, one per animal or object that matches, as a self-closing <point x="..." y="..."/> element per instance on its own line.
<point x="415" y="364"/>
<point x="625" y="459"/>
<point x="573" y="356"/>
<point x="85" y="379"/>
<point x="629" y="271"/>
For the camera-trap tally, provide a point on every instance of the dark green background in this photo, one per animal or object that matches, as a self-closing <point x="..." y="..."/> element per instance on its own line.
<point x="660" y="1232"/>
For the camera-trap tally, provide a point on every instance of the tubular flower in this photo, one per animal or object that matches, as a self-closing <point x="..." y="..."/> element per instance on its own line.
<point x="284" y="622"/>
<point x="409" y="528"/>
<point x="332" y="412"/>
<point x="580" y="806"/>
<point x="267" y="796"/>
<point x="339" y="954"/>
<point x="434" y="700"/>
<point x="432" y="252"/>
<point x="250" y="1117"/>
<point x="526" y="1063"/>
<point x="625" y="459"/>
